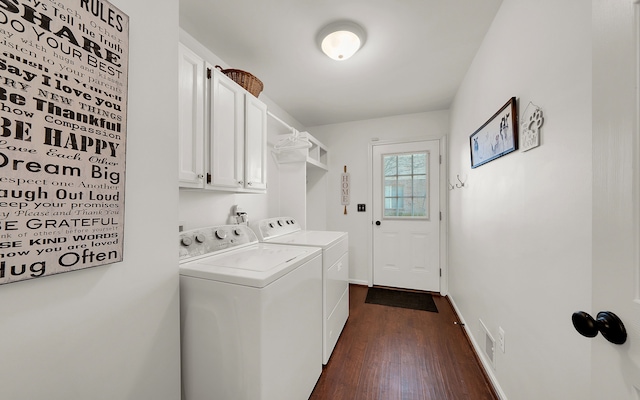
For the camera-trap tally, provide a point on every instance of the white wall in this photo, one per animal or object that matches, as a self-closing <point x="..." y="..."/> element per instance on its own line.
<point x="317" y="188"/>
<point x="112" y="332"/>
<point x="348" y="144"/>
<point x="520" y="231"/>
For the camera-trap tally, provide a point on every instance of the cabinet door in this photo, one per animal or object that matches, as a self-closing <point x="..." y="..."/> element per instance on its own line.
<point x="256" y="143"/>
<point x="191" y="118"/>
<point x="226" y="147"/>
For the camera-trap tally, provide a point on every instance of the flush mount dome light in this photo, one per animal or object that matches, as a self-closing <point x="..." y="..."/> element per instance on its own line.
<point x="340" y="40"/>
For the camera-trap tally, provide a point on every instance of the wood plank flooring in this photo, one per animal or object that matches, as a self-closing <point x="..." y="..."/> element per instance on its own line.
<point x="388" y="353"/>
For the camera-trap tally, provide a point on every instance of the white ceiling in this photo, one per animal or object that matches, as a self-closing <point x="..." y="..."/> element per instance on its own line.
<point x="415" y="56"/>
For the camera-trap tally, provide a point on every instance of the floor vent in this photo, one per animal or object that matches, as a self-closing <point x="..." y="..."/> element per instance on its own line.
<point x="489" y="343"/>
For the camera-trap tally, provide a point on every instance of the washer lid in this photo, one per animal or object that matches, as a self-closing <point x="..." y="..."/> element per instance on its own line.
<point x="256" y="266"/>
<point x="323" y="239"/>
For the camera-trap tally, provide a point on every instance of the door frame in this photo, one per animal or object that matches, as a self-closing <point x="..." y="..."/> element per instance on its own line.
<point x="619" y="139"/>
<point x="444" y="205"/>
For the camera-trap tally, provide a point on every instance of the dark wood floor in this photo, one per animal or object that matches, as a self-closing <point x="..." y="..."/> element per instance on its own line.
<point x="388" y="353"/>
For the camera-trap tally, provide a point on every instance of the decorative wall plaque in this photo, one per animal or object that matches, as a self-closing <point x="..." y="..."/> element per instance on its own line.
<point x="531" y="124"/>
<point x="497" y="137"/>
<point x="63" y="123"/>
<point x="345" y="189"/>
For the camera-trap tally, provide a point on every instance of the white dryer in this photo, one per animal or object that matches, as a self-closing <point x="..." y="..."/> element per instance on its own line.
<point x="250" y="316"/>
<point x="335" y="270"/>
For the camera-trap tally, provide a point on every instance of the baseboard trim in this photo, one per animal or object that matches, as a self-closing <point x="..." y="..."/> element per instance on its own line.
<point x="359" y="282"/>
<point x="486" y="365"/>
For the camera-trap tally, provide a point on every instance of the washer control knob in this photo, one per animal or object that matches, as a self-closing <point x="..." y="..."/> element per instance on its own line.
<point x="220" y="234"/>
<point x="186" y="241"/>
<point x="200" y="238"/>
<point x="279" y="222"/>
<point x="237" y="232"/>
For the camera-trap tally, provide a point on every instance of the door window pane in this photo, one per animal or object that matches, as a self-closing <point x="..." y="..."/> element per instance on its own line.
<point x="420" y="163"/>
<point x="419" y="186"/>
<point x="390" y="187"/>
<point x="406" y="185"/>
<point x="391" y="165"/>
<point x="405" y="164"/>
<point x="390" y="207"/>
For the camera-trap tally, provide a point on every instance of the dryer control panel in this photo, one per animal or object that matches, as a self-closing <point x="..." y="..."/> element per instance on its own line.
<point x="274" y="227"/>
<point x="213" y="239"/>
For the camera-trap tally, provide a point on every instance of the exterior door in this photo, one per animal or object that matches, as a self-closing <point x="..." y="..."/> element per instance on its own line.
<point x="615" y="369"/>
<point x="406" y="215"/>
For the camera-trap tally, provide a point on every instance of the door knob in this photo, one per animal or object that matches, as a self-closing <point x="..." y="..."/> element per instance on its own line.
<point x="377" y="222"/>
<point x="606" y="323"/>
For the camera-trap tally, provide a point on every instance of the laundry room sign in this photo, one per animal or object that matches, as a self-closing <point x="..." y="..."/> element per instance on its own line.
<point x="63" y="96"/>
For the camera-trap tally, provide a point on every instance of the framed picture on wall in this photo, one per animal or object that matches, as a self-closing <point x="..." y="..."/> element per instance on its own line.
<point x="497" y="137"/>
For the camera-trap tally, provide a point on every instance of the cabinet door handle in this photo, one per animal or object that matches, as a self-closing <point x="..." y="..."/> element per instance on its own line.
<point x="249" y="183"/>
<point x="240" y="183"/>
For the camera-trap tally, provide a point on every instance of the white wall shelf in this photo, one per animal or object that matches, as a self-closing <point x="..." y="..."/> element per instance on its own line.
<point x="315" y="156"/>
<point x="299" y="173"/>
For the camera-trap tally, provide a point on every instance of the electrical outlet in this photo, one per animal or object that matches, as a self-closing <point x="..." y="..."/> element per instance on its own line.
<point x="501" y="338"/>
<point x="362" y="208"/>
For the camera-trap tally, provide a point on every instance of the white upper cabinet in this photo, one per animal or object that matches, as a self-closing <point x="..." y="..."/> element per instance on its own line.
<point x="223" y="130"/>
<point x="238" y="137"/>
<point x="226" y="145"/>
<point x="255" y="143"/>
<point x="191" y="118"/>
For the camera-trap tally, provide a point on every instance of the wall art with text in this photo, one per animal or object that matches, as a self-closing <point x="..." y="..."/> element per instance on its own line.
<point x="63" y="102"/>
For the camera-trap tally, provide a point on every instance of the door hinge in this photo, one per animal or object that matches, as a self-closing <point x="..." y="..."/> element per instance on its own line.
<point x="441" y="159"/>
<point x="208" y="177"/>
<point x="209" y="75"/>
<point x="441" y="272"/>
<point x="440" y="215"/>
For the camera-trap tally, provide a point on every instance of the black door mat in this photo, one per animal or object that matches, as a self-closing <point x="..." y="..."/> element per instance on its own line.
<point x="402" y="299"/>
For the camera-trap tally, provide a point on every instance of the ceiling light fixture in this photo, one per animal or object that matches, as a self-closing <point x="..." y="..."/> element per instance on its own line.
<point x="340" y="40"/>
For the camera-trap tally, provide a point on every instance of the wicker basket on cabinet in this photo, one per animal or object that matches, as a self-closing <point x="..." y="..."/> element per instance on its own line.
<point x="248" y="81"/>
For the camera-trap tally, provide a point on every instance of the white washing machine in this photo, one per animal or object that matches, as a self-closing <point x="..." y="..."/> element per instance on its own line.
<point x="335" y="270"/>
<point x="251" y="316"/>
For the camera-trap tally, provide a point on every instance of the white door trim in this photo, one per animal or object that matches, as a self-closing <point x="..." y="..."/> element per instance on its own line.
<point x="444" y="205"/>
